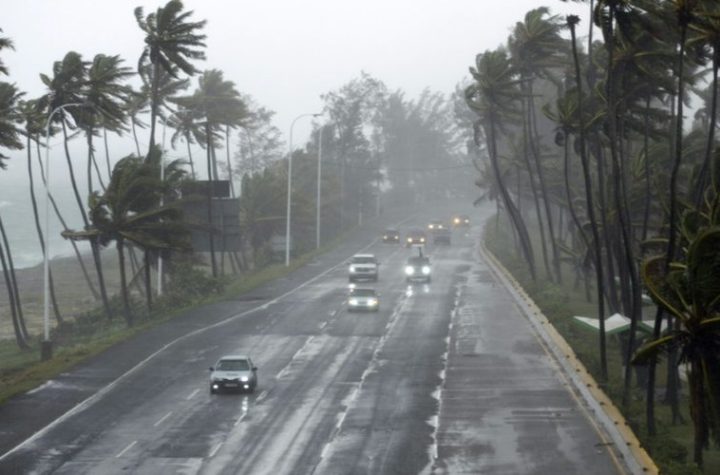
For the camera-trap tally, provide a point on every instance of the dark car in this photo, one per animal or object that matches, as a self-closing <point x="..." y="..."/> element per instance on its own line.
<point x="415" y="237"/>
<point x="233" y="372"/>
<point x="418" y="269"/>
<point x="391" y="236"/>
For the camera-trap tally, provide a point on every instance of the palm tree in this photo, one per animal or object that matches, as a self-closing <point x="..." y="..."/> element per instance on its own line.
<point x="690" y="291"/>
<point x="127" y="212"/>
<point x="537" y="48"/>
<point x="135" y="107"/>
<point x="572" y="22"/>
<point x="5" y="43"/>
<point x="68" y="86"/>
<point x="494" y="96"/>
<point x="171" y="41"/>
<point x="9" y="138"/>
<point x="186" y="126"/>
<point x="218" y="103"/>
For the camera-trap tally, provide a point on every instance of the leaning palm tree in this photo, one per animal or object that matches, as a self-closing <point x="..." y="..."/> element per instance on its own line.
<point x="171" y="41"/>
<point x="572" y="22"/>
<point x="10" y="139"/>
<point x="127" y="212"/>
<point x="186" y="125"/>
<point x="217" y="103"/>
<point x="536" y="48"/>
<point x="106" y="96"/>
<point x="68" y="87"/>
<point x="690" y="291"/>
<point x="5" y="43"/>
<point x="493" y="97"/>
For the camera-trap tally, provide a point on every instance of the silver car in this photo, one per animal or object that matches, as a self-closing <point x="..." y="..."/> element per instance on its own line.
<point x="233" y="372"/>
<point x="363" y="299"/>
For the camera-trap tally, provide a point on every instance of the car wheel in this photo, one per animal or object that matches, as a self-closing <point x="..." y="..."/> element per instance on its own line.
<point x="212" y="391"/>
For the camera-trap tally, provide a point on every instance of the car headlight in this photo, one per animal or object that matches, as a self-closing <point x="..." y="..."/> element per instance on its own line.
<point x="353" y="302"/>
<point x="422" y="239"/>
<point x="457" y="220"/>
<point x="467" y="221"/>
<point x="409" y="239"/>
<point x="373" y="302"/>
<point x="426" y="270"/>
<point x="352" y="269"/>
<point x="244" y="379"/>
<point x="409" y="270"/>
<point x="385" y="237"/>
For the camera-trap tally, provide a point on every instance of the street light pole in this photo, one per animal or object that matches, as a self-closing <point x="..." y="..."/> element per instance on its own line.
<point x="319" y="181"/>
<point x="46" y="346"/>
<point x="289" y="189"/>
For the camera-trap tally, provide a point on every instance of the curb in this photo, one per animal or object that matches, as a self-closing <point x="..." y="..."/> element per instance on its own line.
<point x="611" y="419"/>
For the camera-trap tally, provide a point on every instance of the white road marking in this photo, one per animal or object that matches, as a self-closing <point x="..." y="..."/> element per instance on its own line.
<point x="261" y="396"/>
<point x="282" y="371"/>
<point x="132" y="444"/>
<point x="162" y="419"/>
<point x="215" y="450"/>
<point x="238" y="421"/>
<point x="192" y="394"/>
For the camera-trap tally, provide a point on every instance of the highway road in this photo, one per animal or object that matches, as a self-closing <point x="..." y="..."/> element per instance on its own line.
<point x="447" y="377"/>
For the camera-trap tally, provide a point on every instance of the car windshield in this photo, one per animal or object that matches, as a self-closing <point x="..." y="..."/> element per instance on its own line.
<point x="363" y="260"/>
<point x="391" y="231"/>
<point x="418" y="261"/>
<point x="416" y="232"/>
<point x="233" y="365"/>
<point x="363" y="293"/>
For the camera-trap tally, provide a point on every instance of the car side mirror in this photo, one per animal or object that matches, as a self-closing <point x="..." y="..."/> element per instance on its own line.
<point x="254" y="368"/>
<point x="212" y="369"/>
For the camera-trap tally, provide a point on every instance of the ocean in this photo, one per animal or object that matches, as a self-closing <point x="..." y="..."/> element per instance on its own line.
<point x="17" y="214"/>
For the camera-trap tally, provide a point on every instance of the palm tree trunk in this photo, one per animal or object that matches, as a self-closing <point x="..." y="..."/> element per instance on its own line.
<point x="699" y="187"/>
<point x="192" y="165"/>
<point x="591" y="214"/>
<point x="148" y="285"/>
<point x="525" y="244"/>
<point x="20" y="337"/>
<point x="38" y="228"/>
<point x="73" y="182"/>
<point x="85" y="273"/>
<point x="534" y="134"/>
<point x="134" y="131"/>
<point x="93" y="242"/>
<point x="123" y="282"/>
<point x="13" y="280"/>
<point x="620" y="208"/>
<point x="533" y="188"/>
<point x="107" y="153"/>
<point x="154" y="104"/>
<point x="209" y="198"/>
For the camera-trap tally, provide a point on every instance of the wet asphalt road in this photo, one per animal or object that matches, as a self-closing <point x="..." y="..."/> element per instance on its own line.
<point x="447" y="377"/>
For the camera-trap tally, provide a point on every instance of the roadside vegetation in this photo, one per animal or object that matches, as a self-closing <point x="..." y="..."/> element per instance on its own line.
<point x="586" y="150"/>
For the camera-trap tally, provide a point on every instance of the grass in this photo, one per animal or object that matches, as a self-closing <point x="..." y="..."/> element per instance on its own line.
<point x="671" y="448"/>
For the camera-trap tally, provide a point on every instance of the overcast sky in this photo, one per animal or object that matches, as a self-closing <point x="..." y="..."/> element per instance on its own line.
<point x="285" y="53"/>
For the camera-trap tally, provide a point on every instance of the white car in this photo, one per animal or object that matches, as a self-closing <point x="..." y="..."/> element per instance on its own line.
<point x="233" y="372"/>
<point x="363" y="299"/>
<point x="363" y="266"/>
